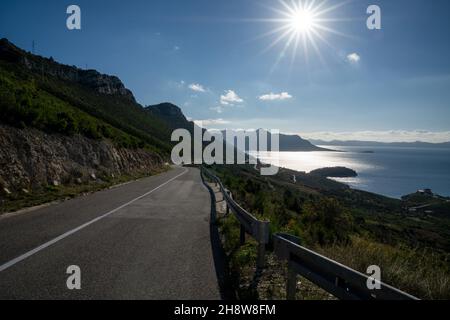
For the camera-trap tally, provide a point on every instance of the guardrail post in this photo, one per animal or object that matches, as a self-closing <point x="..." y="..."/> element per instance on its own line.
<point x="291" y="283"/>
<point x="263" y="239"/>
<point x="242" y="235"/>
<point x="226" y="202"/>
<point x="261" y="262"/>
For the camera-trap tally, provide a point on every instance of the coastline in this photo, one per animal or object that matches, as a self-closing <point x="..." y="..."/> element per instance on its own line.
<point x="391" y="172"/>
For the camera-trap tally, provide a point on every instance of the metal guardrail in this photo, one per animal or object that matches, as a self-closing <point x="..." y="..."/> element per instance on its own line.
<point x="341" y="281"/>
<point x="258" y="229"/>
<point x="335" y="278"/>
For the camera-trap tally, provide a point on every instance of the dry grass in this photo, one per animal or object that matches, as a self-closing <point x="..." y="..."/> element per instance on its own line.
<point x="418" y="272"/>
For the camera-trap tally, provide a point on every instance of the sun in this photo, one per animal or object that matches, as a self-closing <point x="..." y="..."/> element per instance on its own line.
<point x="303" y="24"/>
<point x="302" y="21"/>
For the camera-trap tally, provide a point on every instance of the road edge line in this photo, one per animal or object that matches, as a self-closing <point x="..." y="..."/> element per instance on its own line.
<point x="32" y="252"/>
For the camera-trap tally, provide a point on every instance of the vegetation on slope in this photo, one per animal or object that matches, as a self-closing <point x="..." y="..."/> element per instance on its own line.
<point x="353" y="227"/>
<point x="51" y="103"/>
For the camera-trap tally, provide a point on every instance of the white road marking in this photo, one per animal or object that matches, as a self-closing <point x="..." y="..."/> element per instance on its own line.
<point x="71" y="232"/>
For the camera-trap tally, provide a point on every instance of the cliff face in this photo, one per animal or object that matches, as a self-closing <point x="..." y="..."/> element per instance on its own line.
<point x="103" y="84"/>
<point x="31" y="159"/>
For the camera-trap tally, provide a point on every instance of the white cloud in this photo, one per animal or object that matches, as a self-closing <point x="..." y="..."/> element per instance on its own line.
<point x="217" y="109"/>
<point x="353" y="57"/>
<point x="230" y="98"/>
<point x="382" y="136"/>
<point x="211" y="122"/>
<point x="197" y="87"/>
<point x="275" y="96"/>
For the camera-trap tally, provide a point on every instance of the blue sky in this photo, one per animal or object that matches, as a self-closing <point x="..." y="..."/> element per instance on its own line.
<point x="208" y="57"/>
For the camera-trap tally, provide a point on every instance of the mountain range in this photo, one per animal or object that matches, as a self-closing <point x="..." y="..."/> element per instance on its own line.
<point x="356" y="143"/>
<point x="294" y="143"/>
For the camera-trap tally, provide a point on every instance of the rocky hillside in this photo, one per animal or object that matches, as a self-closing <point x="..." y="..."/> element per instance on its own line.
<point x="60" y="125"/>
<point x="31" y="159"/>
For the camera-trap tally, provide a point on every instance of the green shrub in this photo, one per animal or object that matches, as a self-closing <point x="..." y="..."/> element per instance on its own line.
<point x="325" y="222"/>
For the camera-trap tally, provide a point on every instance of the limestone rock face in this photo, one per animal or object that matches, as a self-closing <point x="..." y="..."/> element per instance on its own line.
<point x="103" y="84"/>
<point x="30" y="159"/>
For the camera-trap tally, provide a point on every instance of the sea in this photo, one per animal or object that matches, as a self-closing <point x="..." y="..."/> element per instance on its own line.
<point x="389" y="171"/>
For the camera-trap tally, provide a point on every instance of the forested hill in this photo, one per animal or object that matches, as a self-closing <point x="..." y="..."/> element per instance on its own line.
<point x="41" y="93"/>
<point x="172" y="115"/>
<point x="61" y="126"/>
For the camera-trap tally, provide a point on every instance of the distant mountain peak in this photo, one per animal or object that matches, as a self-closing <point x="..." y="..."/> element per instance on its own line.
<point x="167" y="110"/>
<point x="362" y="143"/>
<point x="171" y="114"/>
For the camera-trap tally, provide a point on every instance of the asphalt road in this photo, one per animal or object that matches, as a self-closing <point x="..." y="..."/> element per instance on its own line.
<point x="149" y="239"/>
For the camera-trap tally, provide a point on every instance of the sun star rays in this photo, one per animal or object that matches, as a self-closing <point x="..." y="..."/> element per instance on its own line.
<point x="302" y="25"/>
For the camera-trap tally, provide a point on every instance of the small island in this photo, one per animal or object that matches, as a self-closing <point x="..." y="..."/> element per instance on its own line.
<point x="335" y="172"/>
